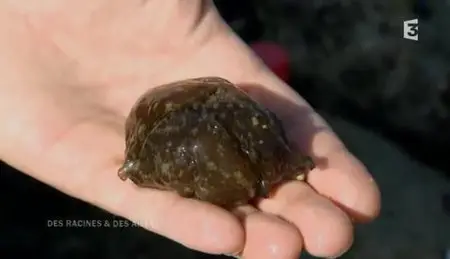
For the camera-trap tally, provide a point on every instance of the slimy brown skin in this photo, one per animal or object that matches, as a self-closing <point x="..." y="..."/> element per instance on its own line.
<point x="206" y="139"/>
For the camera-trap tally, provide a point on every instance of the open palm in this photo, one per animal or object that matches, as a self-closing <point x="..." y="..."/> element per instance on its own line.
<point x="65" y="92"/>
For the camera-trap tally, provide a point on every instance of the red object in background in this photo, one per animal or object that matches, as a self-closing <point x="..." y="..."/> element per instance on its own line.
<point x="275" y="57"/>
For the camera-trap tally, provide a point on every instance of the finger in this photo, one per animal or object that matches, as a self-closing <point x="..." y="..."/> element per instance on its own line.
<point x="339" y="176"/>
<point x="326" y="230"/>
<point x="346" y="182"/>
<point x="268" y="236"/>
<point x="90" y="173"/>
<point x="351" y="187"/>
<point x="197" y="225"/>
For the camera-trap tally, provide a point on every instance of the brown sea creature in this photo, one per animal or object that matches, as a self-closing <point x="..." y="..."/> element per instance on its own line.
<point x="205" y="138"/>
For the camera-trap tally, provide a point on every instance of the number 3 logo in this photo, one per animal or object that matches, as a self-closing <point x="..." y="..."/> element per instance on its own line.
<point x="411" y="29"/>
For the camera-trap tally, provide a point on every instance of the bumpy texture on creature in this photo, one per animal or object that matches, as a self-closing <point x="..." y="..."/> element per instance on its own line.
<point x="204" y="138"/>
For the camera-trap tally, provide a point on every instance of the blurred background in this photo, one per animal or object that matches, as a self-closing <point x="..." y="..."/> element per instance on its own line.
<point x="387" y="97"/>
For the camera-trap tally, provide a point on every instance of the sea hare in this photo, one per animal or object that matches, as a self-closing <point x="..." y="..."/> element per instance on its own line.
<point x="206" y="139"/>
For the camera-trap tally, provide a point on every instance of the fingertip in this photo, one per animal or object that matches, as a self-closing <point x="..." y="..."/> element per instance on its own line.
<point x="268" y="236"/>
<point x="205" y="227"/>
<point x="197" y="225"/>
<point x="353" y="189"/>
<point x="331" y="237"/>
<point x="370" y="203"/>
<point x="326" y="230"/>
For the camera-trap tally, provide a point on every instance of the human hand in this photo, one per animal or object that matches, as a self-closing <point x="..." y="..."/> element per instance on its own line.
<point x="70" y="72"/>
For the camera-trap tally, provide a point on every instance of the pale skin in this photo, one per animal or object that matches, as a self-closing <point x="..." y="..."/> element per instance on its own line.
<point x="70" y="72"/>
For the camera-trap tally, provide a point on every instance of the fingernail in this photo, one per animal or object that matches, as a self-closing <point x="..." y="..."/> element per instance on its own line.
<point x="233" y="255"/>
